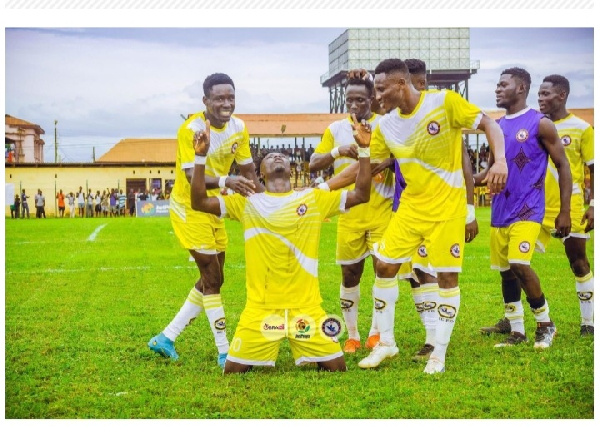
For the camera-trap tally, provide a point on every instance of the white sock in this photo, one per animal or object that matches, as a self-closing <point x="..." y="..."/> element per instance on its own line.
<point x="514" y="312"/>
<point x="349" y="298"/>
<point x="431" y="299"/>
<point x="585" y="291"/>
<point x="385" y="293"/>
<point x="188" y="312"/>
<point x="216" y="318"/>
<point x="542" y="314"/>
<point x="447" y="312"/>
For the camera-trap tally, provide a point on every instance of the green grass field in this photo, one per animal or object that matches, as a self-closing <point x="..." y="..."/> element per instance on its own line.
<point x="78" y="315"/>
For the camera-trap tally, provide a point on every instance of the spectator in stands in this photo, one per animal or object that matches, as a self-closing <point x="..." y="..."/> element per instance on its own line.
<point x="131" y="202"/>
<point x="60" y="196"/>
<point x="15" y="208"/>
<point x="122" y="202"/>
<point x="40" y="203"/>
<point x="71" y="199"/>
<point x="24" y="205"/>
<point x="80" y="201"/>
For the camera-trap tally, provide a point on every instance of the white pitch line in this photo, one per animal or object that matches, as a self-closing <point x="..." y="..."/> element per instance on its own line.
<point x="93" y="235"/>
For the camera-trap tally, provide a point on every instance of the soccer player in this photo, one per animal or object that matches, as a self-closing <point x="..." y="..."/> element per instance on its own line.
<point x="282" y="231"/>
<point x="518" y="212"/>
<point x="204" y="235"/>
<point x="363" y="225"/>
<point x="577" y="138"/>
<point x="425" y="135"/>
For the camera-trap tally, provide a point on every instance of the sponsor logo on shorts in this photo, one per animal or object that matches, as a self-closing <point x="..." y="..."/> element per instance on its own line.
<point x="273" y="327"/>
<point x="509" y="308"/>
<point x="429" y="305"/>
<point x="422" y="251"/>
<point x="234" y="147"/>
<point x="447" y="311"/>
<point x="346" y="304"/>
<point x="585" y="295"/>
<point x="524" y="247"/>
<point x="302" y="329"/>
<point x="455" y="250"/>
<point x="522" y="135"/>
<point x="379" y="304"/>
<point x="331" y="327"/>
<point x="565" y="140"/>
<point x="220" y="324"/>
<point x="301" y="210"/>
<point x="433" y="128"/>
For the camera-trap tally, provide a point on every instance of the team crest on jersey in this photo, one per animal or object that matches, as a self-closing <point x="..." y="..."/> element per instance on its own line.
<point x="301" y="210"/>
<point x="422" y="251"/>
<point x="585" y="295"/>
<point x="433" y="128"/>
<point x="220" y="324"/>
<point x="234" y="147"/>
<point x="522" y="135"/>
<point x="379" y="304"/>
<point x="524" y="247"/>
<point x="455" y="250"/>
<point x="346" y="304"/>
<point x="331" y="327"/>
<point x="565" y="140"/>
<point x="447" y="311"/>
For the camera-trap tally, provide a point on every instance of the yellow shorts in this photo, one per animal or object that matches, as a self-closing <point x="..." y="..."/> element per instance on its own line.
<point x="420" y="260"/>
<point x="199" y="231"/>
<point x="444" y="242"/>
<point x="354" y="245"/>
<point x="577" y="228"/>
<point x="513" y="244"/>
<point x="312" y="335"/>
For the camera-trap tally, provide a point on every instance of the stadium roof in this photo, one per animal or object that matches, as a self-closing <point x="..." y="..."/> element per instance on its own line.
<point x="163" y="150"/>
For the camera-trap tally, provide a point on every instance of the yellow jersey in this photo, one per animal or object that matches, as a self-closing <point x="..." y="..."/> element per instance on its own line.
<point x="427" y="144"/>
<point x="282" y="233"/>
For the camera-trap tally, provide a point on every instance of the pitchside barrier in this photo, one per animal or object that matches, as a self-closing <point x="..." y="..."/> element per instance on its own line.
<point x="152" y="208"/>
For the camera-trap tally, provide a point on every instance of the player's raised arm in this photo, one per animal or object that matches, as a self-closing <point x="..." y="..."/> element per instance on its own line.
<point x="200" y="201"/>
<point x="498" y="170"/>
<point x="551" y="141"/>
<point x="362" y="189"/>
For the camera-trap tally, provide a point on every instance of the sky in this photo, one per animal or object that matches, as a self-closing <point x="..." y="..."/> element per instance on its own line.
<point x="104" y="84"/>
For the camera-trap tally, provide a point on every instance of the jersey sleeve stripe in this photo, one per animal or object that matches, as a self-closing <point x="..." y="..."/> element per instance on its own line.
<point x="343" y="198"/>
<point x="223" y="207"/>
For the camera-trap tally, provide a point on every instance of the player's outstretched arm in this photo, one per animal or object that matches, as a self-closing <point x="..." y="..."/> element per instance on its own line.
<point x="551" y="141"/>
<point x="362" y="189"/>
<point x="589" y="213"/>
<point x="498" y="170"/>
<point x="471" y="226"/>
<point x="200" y="201"/>
<point x="320" y="161"/>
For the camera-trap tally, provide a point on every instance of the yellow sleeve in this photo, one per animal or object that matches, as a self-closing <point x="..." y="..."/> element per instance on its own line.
<point x="232" y="206"/>
<point x="326" y="144"/>
<point x="330" y="203"/>
<point x="379" y="150"/>
<point x="461" y="113"/>
<point x="587" y="146"/>
<point x="242" y="153"/>
<point x="185" y="141"/>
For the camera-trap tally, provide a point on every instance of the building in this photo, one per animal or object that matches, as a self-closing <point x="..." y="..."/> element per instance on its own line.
<point x="23" y="143"/>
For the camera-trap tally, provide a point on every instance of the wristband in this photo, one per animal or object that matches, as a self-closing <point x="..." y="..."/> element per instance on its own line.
<point x="323" y="186"/>
<point x="470" y="213"/>
<point x="592" y="202"/>
<point x="200" y="160"/>
<point x="364" y="152"/>
<point x="335" y="153"/>
<point x="222" y="181"/>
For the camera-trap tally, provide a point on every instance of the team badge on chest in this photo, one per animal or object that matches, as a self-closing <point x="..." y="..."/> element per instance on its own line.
<point x="301" y="210"/>
<point x="522" y="135"/>
<point x="234" y="147"/>
<point x="433" y="128"/>
<point x="565" y="140"/>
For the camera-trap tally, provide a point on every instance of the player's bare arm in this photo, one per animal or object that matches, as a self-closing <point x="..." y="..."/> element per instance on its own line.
<point x="200" y="201"/>
<point x="320" y="161"/>
<point x="471" y="226"/>
<point x="551" y="141"/>
<point x="498" y="170"/>
<point x="348" y="175"/>
<point x="362" y="189"/>
<point x="588" y="216"/>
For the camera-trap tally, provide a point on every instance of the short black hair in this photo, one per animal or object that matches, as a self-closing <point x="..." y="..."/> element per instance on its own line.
<point x="416" y="66"/>
<point x="521" y="74"/>
<point x="391" y="65"/>
<point x="213" y="80"/>
<point x="364" y="82"/>
<point x="559" y="81"/>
